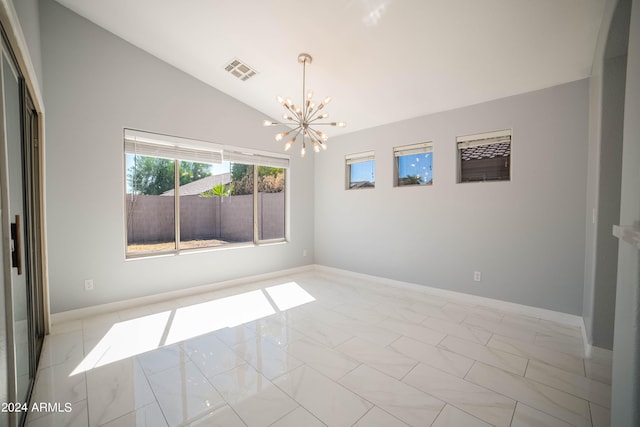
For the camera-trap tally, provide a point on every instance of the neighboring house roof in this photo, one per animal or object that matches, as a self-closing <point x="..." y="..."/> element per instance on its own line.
<point x="486" y="151"/>
<point x="362" y="184"/>
<point x="201" y="185"/>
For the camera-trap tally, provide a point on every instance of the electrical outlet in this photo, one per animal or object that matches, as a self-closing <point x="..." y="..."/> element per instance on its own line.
<point x="304" y="252"/>
<point x="477" y="276"/>
<point x="88" y="285"/>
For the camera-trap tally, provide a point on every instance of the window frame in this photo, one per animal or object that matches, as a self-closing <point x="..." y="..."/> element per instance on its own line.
<point x="355" y="158"/>
<point x="204" y="150"/>
<point x="407" y="150"/>
<point x="480" y="139"/>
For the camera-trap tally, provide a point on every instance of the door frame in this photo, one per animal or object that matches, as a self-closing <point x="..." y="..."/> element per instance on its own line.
<point x="16" y="41"/>
<point x="31" y="101"/>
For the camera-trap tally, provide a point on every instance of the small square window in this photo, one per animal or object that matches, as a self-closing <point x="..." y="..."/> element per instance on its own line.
<point x="360" y="170"/>
<point x="485" y="157"/>
<point x="413" y="164"/>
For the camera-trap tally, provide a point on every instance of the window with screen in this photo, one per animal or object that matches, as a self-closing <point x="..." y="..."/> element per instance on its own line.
<point x="485" y="157"/>
<point x="182" y="194"/>
<point x="360" y="170"/>
<point x="413" y="164"/>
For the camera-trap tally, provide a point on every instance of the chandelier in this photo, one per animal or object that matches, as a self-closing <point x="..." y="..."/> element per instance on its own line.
<point x="303" y="118"/>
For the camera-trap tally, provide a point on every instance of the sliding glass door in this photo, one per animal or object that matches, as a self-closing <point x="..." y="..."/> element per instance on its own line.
<point x="22" y="327"/>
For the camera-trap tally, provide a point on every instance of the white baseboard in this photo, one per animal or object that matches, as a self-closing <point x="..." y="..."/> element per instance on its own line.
<point x="541" y="313"/>
<point x="96" y="310"/>
<point x="588" y="348"/>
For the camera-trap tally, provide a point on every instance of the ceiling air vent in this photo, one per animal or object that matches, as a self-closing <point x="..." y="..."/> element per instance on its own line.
<point x="240" y="70"/>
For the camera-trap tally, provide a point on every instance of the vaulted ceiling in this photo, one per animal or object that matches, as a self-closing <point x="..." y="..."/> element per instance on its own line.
<point x="381" y="60"/>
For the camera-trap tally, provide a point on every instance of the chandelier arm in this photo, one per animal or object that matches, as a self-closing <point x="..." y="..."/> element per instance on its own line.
<point x="307" y="114"/>
<point x="291" y="110"/>
<point x="321" y="139"/>
<point x="295" y="137"/>
<point x="317" y="141"/>
<point x="290" y="142"/>
<point x="315" y="135"/>
<point x="319" y="118"/>
<point x="310" y="111"/>
<point x="313" y="116"/>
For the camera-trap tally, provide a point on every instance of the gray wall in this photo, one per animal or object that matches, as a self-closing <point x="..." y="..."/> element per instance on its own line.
<point x="593" y="164"/>
<point x="526" y="236"/>
<point x="625" y="396"/>
<point x="97" y="84"/>
<point x="608" y="211"/>
<point x="606" y="111"/>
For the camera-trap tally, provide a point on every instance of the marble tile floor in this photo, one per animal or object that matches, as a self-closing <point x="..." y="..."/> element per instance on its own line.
<point x="319" y="350"/>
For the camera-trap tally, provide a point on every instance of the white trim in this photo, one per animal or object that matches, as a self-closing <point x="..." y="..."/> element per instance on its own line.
<point x="18" y="43"/>
<point x="487" y="138"/>
<point x="482" y="142"/>
<point x="138" y="136"/>
<point x="148" y="140"/>
<point x="540" y="313"/>
<point x="407" y="150"/>
<point x="360" y="157"/>
<point x="172" y="152"/>
<point x="95" y="310"/>
<point x="499" y="134"/>
<point x="588" y="348"/>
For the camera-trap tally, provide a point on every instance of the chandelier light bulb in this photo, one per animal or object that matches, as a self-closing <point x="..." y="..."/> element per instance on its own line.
<point x="304" y="119"/>
<point x="282" y="135"/>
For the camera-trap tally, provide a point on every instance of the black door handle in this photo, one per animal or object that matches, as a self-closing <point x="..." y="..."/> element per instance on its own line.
<point x="16" y="252"/>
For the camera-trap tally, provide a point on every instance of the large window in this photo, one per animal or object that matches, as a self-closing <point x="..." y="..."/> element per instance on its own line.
<point x="183" y="194"/>
<point x="360" y="170"/>
<point x="413" y="164"/>
<point x="485" y="157"/>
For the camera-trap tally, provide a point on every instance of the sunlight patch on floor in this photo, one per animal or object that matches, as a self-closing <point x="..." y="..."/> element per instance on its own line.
<point x="130" y="338"/>
<point x="289" y="295"/>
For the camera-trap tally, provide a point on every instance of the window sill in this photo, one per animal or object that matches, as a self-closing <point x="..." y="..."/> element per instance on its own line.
<point x="131" y="257"/>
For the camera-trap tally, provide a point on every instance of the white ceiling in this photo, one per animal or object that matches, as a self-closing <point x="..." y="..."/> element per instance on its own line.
<point x="381" y="60"/>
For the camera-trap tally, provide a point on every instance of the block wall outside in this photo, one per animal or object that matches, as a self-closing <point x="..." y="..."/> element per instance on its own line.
<point x="151" y="218"/>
